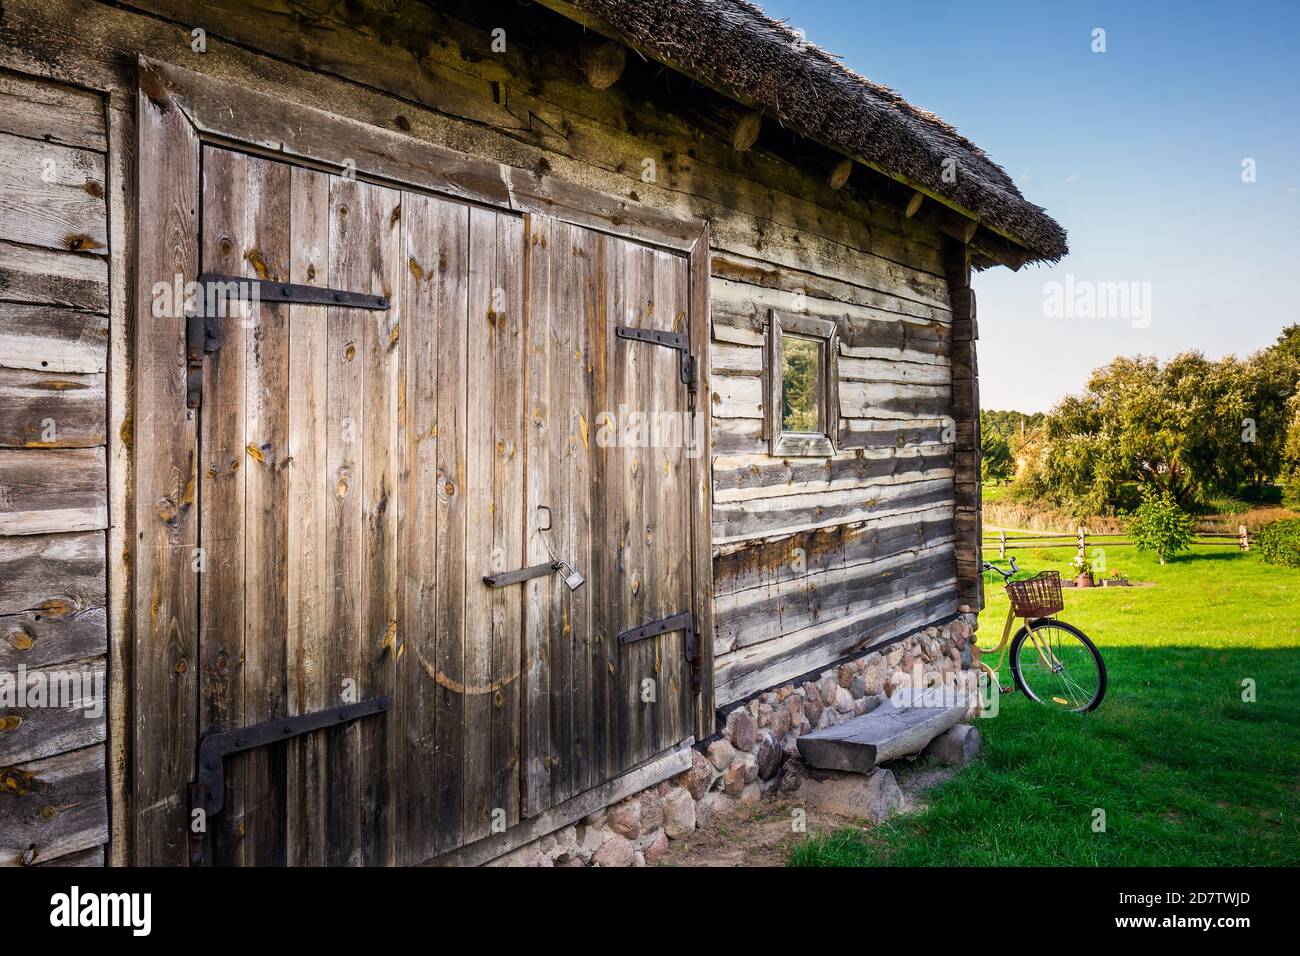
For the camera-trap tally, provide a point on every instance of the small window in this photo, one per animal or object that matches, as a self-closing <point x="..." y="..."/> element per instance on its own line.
<point x="802" y="399"/>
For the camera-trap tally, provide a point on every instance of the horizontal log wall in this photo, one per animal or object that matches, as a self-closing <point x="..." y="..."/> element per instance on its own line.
<point x="781" y="235"/>
<point x="817" y="558"/>
<point x="54" y="306"/>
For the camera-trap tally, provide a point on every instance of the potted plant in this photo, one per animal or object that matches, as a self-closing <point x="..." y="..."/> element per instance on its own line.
<point x="1082" y="572"/>
<point x="1116" y="579"/>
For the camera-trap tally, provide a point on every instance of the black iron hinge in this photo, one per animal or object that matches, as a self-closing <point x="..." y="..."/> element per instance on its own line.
<point x="203" y="333"/>
<point x="687" y="369"/>
<point x="685" y="622"/>
<point x="208" y="791"/>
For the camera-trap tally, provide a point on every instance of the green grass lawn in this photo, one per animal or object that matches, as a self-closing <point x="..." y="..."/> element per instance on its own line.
<point x="995" y="490"/>
<point x="1185" y="770"/>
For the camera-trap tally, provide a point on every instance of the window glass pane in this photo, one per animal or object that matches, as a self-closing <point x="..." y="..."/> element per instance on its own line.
<point x="801" y="384"/>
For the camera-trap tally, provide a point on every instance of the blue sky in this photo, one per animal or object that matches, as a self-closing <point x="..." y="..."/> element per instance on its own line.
<point x="1137" y="151"/>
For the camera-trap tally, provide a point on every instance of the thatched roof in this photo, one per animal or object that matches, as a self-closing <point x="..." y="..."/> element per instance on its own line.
<point x="733" y="47"/>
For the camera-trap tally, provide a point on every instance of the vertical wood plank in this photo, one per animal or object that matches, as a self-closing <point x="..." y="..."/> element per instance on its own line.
<point x="423" y="299"/>
<point x="628" y="593"/>
<point x="449" y="659"/>
<point x="165" y="669"/>
<point x="224" y="461"/>
<point x="265" y="254"/>
<point x="603" y="556"/>
<point x="672" y="480"/>
<point x="309" y="489"/>
<point x="613" y="577"/>
<point x="581" y="316"/>
<point x="348" y="267"/>
<point x="539" y="593"/>
<point x="702" y="486"/>
<point x="478" y="502"/>
<point x="121" y="185"/>
<point x="508" y="497"/>
<point x="382" y="350"/>
<point x="560" y="429"/>
<point x="662" y="389"/>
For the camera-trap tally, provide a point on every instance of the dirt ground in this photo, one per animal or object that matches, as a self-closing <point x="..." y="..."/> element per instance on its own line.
<point x="762" y="834"/>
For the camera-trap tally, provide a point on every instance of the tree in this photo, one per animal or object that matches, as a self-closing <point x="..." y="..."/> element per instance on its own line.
<point x="1190" y="427"/>
<point x="1159" y="525"/>
<point x="1291" y="456"/>
<point x="1002" y="435"/>
<point x="995" y="457"/>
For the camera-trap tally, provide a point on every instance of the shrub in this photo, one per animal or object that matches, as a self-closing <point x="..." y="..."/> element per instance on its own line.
<point x="1291" y="489"/>
<point x="1279" y="542"/>
<point x="1159" y="525"/>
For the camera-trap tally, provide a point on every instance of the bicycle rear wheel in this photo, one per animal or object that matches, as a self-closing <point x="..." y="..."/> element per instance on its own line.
<point x="1057" y="664"/>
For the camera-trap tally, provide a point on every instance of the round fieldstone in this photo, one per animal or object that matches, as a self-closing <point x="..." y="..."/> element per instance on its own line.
<point x="794" y="704"/>
<point x="741" y="730"/>
<point x="768" y="757"/>
<point x="657" y="849"/>
<point x="721" y="753"/>
<point x="813" y="707"/>
<point x="616" y="851"/>
<point x="781" y="722"/>
<point x="679" y="813"/>
<point x="625" y="818"/>
<point x="734" y="780"/>
<point x="828" y="688"/>
<point x="696" y="780"/>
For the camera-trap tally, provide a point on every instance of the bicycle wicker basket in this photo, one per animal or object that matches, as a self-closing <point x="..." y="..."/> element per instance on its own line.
<point x="1039" y="596"/>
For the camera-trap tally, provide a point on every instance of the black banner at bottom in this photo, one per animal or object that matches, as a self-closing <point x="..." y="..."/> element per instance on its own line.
<point x="341" y="905"/>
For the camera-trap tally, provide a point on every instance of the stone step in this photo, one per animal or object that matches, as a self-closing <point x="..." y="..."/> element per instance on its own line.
<point x="887" y="733"/>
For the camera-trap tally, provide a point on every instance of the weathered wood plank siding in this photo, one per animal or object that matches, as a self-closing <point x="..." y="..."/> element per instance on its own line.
<point x="820" y="557"/>
<point x="54" y="304"/>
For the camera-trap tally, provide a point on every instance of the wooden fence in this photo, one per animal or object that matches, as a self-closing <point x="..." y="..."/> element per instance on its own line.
<point x="1081" y="539"/>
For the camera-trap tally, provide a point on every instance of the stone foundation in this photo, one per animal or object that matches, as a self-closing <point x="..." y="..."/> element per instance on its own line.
<point x="757" y="754"/>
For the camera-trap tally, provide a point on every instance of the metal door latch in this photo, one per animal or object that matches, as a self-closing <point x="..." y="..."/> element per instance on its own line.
<point x="572" y="577"/>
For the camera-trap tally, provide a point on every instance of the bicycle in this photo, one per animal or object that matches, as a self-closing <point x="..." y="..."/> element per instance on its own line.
<point x="1062" y="666"/>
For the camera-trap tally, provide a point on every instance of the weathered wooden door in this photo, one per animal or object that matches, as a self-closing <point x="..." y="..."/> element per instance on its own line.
<point x="362" y="470"/>
<point x="609" y="440"/>
<point x="356" y="467"/>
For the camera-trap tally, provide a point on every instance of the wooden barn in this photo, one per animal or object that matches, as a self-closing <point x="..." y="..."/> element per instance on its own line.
<point x="425" y="424"/>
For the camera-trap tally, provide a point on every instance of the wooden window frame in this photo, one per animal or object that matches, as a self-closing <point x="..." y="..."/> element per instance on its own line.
<point x="783" y="444"/>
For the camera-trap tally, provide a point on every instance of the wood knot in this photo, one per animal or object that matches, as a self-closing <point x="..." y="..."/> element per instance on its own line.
<point x="81" y="243"/>
<point x="15" y="781"/>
